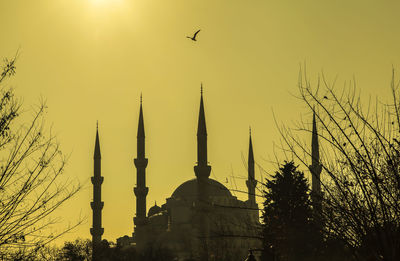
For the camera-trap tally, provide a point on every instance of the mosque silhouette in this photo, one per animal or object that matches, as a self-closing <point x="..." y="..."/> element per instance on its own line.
<point x="201" y="220"/>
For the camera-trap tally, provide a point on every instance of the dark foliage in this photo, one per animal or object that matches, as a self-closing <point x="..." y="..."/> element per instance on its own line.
<point x="288" y="228"/>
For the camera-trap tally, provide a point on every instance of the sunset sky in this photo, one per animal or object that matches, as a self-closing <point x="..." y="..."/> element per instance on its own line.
<point x="91" y="59"/>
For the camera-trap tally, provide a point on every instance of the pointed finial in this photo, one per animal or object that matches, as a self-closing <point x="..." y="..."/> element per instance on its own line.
<point x="250" y="130"/>
<point x="155" y="203"/>
<point x="97" y="154"/>
<point x="140" y="98"/>
<point x="314" y="141"/>
<point x="201" y="89"/>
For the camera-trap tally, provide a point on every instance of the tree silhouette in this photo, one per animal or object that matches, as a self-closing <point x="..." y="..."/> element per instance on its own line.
<point x="287" y="216"/>
<point x="32" y="185"/>
<point x="79" y="250"/>
<point x="360" y="154"/>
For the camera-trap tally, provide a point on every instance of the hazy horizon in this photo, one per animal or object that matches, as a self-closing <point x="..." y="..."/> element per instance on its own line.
<point x="91" y="59"/>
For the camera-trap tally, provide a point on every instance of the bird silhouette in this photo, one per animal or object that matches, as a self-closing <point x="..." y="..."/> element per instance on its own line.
<point x="193" y="38"/>
<point x="325" y="97"/>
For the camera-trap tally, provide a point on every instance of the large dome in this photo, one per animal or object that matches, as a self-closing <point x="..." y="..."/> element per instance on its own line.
<point x="188" y="189"/>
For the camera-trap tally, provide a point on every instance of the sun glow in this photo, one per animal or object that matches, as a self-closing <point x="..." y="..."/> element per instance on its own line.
<point x="106" y="3"/>
<point x="106" y="8"/>
<point x="100" y="2"/>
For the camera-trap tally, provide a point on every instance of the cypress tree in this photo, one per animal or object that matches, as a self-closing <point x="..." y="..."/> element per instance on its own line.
<point x="287" y="217"/>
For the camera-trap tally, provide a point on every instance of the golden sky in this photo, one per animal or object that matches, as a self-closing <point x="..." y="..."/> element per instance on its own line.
<point x="91" y="59"/>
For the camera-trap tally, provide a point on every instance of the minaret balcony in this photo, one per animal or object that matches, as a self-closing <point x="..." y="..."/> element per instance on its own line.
<point x="251" y="183"/>
<point x="141" y="162"/>
<point x="202" y="171"/>
<point x="315" y="169"/>
<point x="96" y="231"/>
<point x="97" y="180"/>
<point x="97" y="205"/>
<point x="141" y="191"/>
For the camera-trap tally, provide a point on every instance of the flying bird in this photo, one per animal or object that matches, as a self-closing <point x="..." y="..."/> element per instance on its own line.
<point x="193" y="38"/>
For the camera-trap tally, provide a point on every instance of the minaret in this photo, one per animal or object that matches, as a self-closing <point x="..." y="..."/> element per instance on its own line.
<point x="202" y="171"/>
<point x="315" y="168"/>
<point x="251" y="182"/>
<point x="140" y="190"/>
<point x="97" y="205"/>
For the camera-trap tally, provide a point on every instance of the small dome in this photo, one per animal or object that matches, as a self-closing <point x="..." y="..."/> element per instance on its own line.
<point x="154" y="210"/>
<point x="188" y="189"/>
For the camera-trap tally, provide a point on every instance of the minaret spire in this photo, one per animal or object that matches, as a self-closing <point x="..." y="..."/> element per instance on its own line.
<point x="202" y="162"/>
<point x="251" y="182"/>
<point x="140" y="190"/>
<point x="315" y="167"/>
<point x="96" y="205"/>
<point x="314" y="143"/>
<point x="140" y="133"/>
<point x="97" y="154"/>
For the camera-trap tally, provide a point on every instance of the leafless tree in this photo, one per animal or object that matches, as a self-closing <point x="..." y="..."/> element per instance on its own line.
<point x="32" y="181"/>
<point x="360" y="159"/>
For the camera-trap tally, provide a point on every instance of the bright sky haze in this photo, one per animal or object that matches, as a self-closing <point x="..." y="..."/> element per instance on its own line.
<point x="91" y="59"/>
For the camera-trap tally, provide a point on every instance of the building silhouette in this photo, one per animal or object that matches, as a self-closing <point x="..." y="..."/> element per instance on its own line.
<point x="201" y="220"/>
<point x="96" y="205"/>
<point x="315" y="169"/>
<point x="140" y="191"/>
